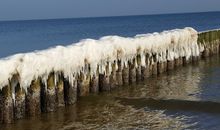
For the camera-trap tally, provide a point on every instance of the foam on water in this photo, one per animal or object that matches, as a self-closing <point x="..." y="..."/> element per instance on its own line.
<point x="71" y="60"/>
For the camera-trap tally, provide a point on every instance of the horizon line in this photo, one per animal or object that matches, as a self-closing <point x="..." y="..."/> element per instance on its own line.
<point x="88" y="17"/>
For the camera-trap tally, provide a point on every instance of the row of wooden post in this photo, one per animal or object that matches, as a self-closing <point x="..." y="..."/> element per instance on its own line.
<point x="41" y="97"/>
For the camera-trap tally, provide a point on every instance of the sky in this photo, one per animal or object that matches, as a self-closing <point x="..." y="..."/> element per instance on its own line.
<point x="50" y="9"/>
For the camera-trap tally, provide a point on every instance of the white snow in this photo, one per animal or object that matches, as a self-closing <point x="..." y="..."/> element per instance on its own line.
<point x="71" y="59"/>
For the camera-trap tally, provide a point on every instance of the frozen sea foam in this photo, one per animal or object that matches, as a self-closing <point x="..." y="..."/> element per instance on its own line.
<point x="71" y="60"/>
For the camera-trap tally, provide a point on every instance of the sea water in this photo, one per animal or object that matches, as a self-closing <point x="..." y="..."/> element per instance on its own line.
<point x="128" y="107"/>
<point x="30" y="35"/>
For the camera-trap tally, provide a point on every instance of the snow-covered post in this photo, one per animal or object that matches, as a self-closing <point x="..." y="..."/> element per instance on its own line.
<point x="119" y="74"/>
<point x="206" y="52"/>
<point x="94" y="82"/>
<point x="83" y="84"/>
<point x="113" y="78"/>
<point x="33" y="98"/>
<point x="204" y="39"/>
<point x="154" y="65"/>
<point x="125" y="74"/>
<point x="161" y="64"/>
<point x="60" y="90"/>
<point x="104" y="79"/>
<point x="170" y="65"/>
<point x="176" y="62"/>
<point x="160" y="67"/>
<point x="51" y="93"/>
<point x="138" y="69"/>
<point x="132" y="71"/>
<point x="19" y="103"/>
<point x="181" y="61"/>
<point x="70" y="90"/>
<point x="7" y="113"/>
<point x="146" y="70"/>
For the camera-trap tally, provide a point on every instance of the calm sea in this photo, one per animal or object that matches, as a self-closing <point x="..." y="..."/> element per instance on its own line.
<point x="187" y="98"/>
<point x="25" y="36"/>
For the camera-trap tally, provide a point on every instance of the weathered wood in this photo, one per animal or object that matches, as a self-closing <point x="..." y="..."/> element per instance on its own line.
<point x="186" y="61"/>
<point x="19" y="95"/>
<point x="94" y="84"/>
<point x="165" y="66"/>
<point x="33" y="98"/>
<point x="60" y="91"/>
<point x="7" y="105"/>
<point x="125" y="75"/>
<point x="83" y="84"/>
<point x="104" y="80"/>
<point x="51" y="104"/>
<point x="70" y="91"/>
<point x="170" y="65"/>
<point x="113" y="78"/>
<point x="154" y="65"/>
<point x="119" y="76"/>
<point x="176" y="62"/>
<point x="205" y="53"/>
<point x="132" y="71"/>
<point x="146" y="70"/>
<point x="181" y="61"/>
<point x="195" y="59"/>
<point x="138" y="69"/>
<point x="160" y="67"/>
<point x="19" y="107"/>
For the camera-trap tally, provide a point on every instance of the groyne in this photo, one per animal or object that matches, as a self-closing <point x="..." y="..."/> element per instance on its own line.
<point x="42" y="81"/>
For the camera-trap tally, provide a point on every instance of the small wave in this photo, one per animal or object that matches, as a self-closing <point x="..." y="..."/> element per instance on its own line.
<point x="173" y="104"/>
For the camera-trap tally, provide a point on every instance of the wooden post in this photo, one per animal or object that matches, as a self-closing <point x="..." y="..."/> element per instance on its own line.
<point x="125" y="75"/>
<point x="160" y="67"/>
<point x="170" y="65"/>
<point x="176" y="62"/>
<point x="60" y="91"/>
<point x="7" y="105"/>
<point x="113" y="80"/>
<point x="19" y="101"/>
<point x="83" y="84"/>
<point x="146" y="71"/>
<point x="104" y="80"/>
<point x="132" y="72"/>
<point x="181" y="61"/>
<point x="19" y="107"/>
<point x="138" y="69"/>
<point x="195" y="59"/>
<point x="51" y="94"/>
<point x="165" y="66"/>
<point x="154" y="65"/>
<point x="119" y="74"/>
<point x="94" y="82"/>
<point x="33" y="98"/>
<point x="205" y="53"/>
<point x="70" y="91"/>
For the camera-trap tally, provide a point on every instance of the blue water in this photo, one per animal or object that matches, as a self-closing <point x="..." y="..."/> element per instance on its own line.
<point x="198" y="82"/>
<point x="29" y="35"/>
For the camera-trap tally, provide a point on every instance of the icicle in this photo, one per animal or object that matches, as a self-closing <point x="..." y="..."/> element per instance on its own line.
<point x="143" y="60"/>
